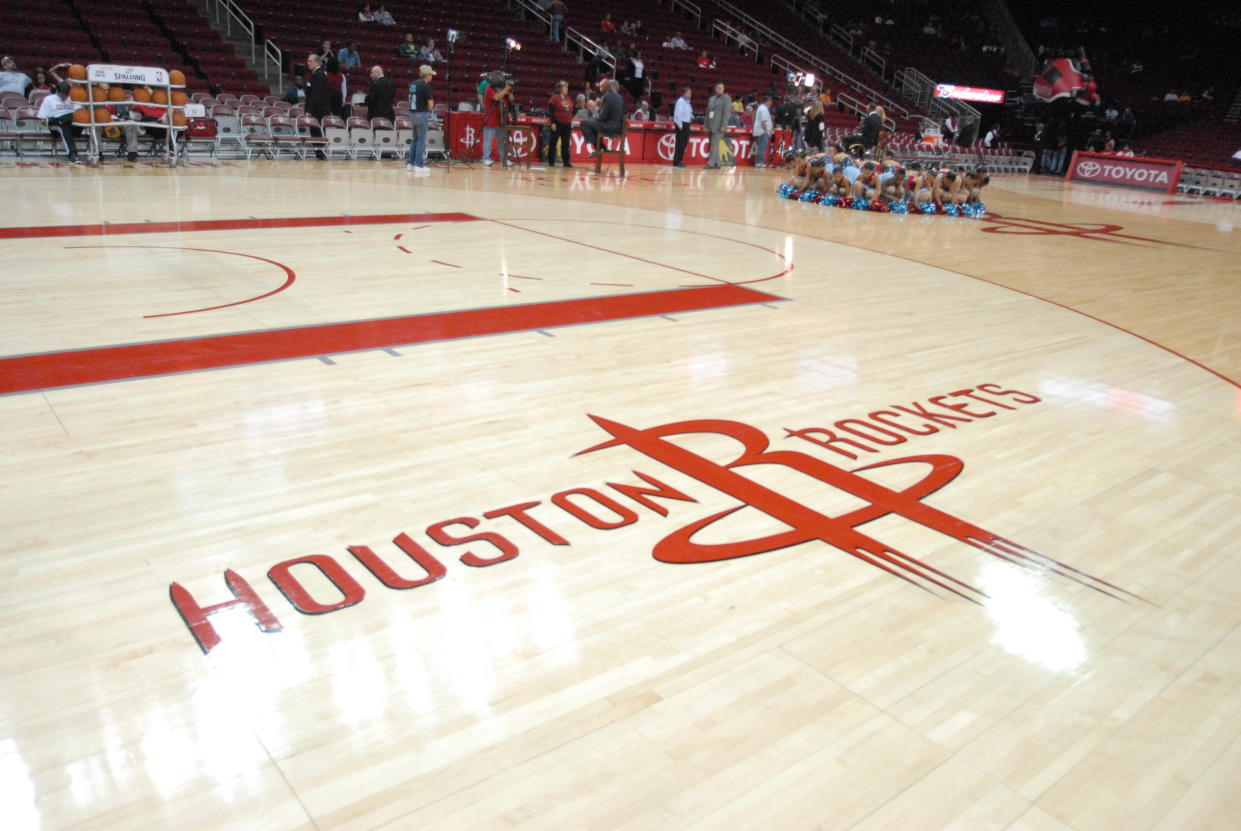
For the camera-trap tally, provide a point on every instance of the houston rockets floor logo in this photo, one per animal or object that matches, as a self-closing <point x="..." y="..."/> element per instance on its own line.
<point x="595" y="508"/>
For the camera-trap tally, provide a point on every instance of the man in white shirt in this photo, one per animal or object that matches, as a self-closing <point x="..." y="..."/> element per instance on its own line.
<point x="384" y="18"/>
<point x="676" y="42"/>
<point x="57" y="109"/>
<point x="11" y="80"/>
<point x="763" y="128"/>
<point x="682" y="118"/>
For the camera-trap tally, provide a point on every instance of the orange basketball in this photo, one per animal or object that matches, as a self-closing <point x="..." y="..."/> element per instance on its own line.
<point x="178" y="119"/>
<point x="77" y="72"/>
<point x="116" y="94"/>
<point x="159" y="97"/>
<point x="77" y="93"/>
<point x="82" y="116"/>
<point x="177" y="78"/>
<point x="180" y="99"/>
<point x="102" y="115"/>
<point x="142" y="95"/>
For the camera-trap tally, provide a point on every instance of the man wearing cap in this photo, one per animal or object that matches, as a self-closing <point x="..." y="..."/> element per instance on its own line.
<point x="10" y="79"/>
<point x="421" y="103"/>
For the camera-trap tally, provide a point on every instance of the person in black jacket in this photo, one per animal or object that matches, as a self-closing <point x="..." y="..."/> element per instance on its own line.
<point x="611" y="117"/>
<point x="869" y="137"/>
<point x="318" y="97"/>
<point x="379" y="95"/>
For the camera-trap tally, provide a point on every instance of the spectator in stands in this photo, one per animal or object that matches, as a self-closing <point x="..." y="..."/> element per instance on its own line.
<point x="705" y="61"/>
<point x="637" y="28"/>
<point x="763" y="128"/>
<point x="1128" y="121"/>
<point x="296" y="93"/>
<point x="57" y="109"/>
<point x="318" y="96"/>
<point x="992" y="139"/>
<point x="379" y="95"/>
<point x="1111" y="114"/>
<point x="41" y="82"/>
<point x="429" y="53"/>
<point x="579" y="106"/>
<point x="637" y="73"/>
<point x="493" y="122"/>
<point x="384" y="18"/>
<point x="408" y="48"/>
<point x="11" y="80"/>
<point x="1171" y="96"/>
<point x="365" y="15"/>
<point x="1125" y="150"/>
<point x="560" y="111"/>
<point x="626" y="28"/>
<point x="682" y="118"/>
<point x="557" y="10"/>
<point x="675" y="42"/>
<point x="593" y="67"/>
<point x="348" y="55"/>
<point x="719" y="110"/>
<point x="606" y="25"/>
<point x="643" y="112"/>
<point x="1109" y="143"/>
<point x="421" y="104"/>
<point x="611" y="118"/>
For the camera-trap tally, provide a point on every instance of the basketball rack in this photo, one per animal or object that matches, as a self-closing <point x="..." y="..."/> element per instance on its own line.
<point x="100" y="75"/>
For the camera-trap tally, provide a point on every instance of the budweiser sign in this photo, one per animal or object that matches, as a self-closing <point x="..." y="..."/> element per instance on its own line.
<point x="981" y="94"/>
<point x="1151" y="174"/>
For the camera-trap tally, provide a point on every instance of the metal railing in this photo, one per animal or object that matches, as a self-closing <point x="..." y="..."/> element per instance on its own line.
<point x="826" y="70"/>
<point x="570" y="37"/>
<point x="694" y="9"/>
<point x="920" y="89"/>
<point x="732" y="35"/>
<point x="230" y="15"/>
<point x="812" y="61"/>
<point x="841" y="35"/>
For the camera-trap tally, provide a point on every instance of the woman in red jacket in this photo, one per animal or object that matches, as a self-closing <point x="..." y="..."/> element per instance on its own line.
<point x="560" y="110"/>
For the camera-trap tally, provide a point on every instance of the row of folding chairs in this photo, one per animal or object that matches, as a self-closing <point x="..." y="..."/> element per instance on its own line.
<point x="282" y="136"/>
<point x="1207" y="182"/>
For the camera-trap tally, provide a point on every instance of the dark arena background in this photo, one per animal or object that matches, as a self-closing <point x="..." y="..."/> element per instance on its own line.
<point x="650" y="415"/>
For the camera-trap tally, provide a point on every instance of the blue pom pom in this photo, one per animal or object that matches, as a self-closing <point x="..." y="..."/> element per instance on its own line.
<point x="927" y="207"/>
<point x="900" y="207"/>
<point x="808" y="196"/>
<point x="980" y="210"/>
<point x="784" y="191"/>
<point x="828" y="199"/>
<point x="951" y="210"/>
<point x="860" y="204"/>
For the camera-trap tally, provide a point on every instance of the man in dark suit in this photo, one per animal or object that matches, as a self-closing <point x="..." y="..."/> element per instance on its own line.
<point x="379" y="95"/>
<point x="611" y="118"/>
<point x="318" y="97"/>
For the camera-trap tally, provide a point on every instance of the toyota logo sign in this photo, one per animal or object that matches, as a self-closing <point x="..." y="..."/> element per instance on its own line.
<point x="667" y="146"/>
<point x="1089" y="169"/>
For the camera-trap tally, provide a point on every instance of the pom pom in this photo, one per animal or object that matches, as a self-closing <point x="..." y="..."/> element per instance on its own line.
<point x="900" y="207"/>
<point x="860" y="204"/>
<point x="951" y="210"/>
<point x="879" y="207"/>
<point x="808" y="196"/>
<point x="927" y="207"/>
<point x="784" y="190"/>
<point x="845" y="202"/>
<point x="829" y="199"/>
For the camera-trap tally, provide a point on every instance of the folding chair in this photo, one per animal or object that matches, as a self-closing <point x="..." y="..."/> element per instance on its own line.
<point x="284" y="136"/>
<point x="337" y="136"/>
<point x="258" y="138"/>
<point x="310" y="143"/>
<point x="385" y="138"/>
<point x="361" y="138"/>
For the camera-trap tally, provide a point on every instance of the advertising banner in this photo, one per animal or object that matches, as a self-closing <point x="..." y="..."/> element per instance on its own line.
<point x="1130" y="171"/>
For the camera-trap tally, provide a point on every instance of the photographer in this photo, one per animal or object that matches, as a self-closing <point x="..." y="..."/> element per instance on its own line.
<point x="495" y="115"/>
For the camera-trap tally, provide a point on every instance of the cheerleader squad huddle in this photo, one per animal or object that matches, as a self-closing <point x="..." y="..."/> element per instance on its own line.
<point x="885" y="186"/>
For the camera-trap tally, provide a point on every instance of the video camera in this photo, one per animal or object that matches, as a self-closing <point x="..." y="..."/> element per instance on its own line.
<point x="499" y="79"/>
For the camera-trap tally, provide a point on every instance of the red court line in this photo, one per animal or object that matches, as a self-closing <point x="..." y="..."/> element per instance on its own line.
<point x="38" y="231"/>
<point x="24" y="373"/>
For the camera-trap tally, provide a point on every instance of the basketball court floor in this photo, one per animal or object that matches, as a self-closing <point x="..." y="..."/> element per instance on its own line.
<point x="339" y="498"/>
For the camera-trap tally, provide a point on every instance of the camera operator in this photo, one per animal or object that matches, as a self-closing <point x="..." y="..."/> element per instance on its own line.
<point x="495" y="115"/>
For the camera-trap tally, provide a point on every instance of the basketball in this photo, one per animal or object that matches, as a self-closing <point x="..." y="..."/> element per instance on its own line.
<point x="177" y="78"/>
<point x="112" y="132"/>
<point x="116" y="94"/>
<point x="159" y="97"/>
<point x="77" y="72"/>
<point x="77" y="93"/>
<point x="102" y="115"/>
<point x="82" y="116"/>
<point x="178" y="119"/>
<point x="142" y="95"/>
<point x="180" y="99"/>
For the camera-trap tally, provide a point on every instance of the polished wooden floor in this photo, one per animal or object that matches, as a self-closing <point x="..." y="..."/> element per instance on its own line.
<point x="1043" y="632"/>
